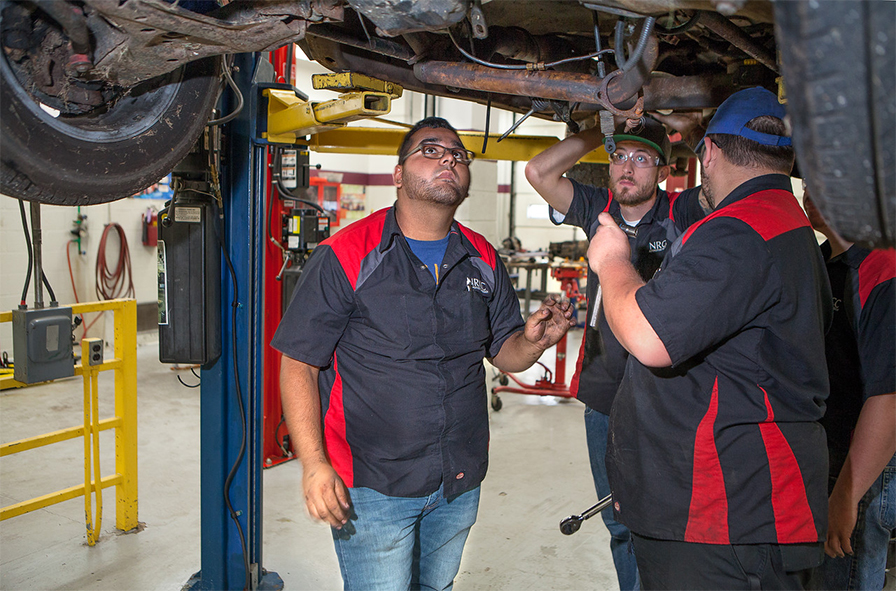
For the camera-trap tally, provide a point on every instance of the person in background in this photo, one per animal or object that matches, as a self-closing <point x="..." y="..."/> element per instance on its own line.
<point x="860" y="421"/>
<point x="383" y="381"/>
<point x="716" y="460"/>
<point x="654" y="220"/>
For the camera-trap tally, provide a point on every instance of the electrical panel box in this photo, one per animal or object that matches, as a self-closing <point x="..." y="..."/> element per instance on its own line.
<point x="42" y="344"/>
<point x="189" y="280"/>
<point x="304" y="229"/>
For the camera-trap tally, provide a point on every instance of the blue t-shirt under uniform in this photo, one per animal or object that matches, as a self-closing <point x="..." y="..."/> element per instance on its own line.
<point x="430" y="253"/>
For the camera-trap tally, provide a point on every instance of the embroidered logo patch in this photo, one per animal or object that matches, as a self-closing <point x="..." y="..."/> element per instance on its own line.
<point x="476" y="284"/>
<point x="657" y="246"/>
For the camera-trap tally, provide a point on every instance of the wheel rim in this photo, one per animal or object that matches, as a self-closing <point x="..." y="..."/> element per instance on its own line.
<point x="131" y="113"/>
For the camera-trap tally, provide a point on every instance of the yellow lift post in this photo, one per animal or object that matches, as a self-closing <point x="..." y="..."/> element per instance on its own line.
<point x="385" y="141"/>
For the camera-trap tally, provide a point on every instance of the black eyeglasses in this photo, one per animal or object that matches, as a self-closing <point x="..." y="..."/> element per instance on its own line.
<point x="436" y="151"/>
<point x="639" y="159"/>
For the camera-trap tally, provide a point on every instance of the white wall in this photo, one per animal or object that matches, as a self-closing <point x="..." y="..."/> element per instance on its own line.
<point x="534" y="233"/>
<point x="56" y="223"/>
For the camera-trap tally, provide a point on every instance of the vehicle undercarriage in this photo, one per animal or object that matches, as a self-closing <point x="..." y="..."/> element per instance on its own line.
<point x="96" y="87"/>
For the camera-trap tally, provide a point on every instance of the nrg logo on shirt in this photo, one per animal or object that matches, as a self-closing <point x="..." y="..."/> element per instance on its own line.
<point x="657" y="246"/>
<point x="476" y="284"/>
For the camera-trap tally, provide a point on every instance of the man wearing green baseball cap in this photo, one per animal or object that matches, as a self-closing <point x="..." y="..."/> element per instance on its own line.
<point x="652" y="219"/>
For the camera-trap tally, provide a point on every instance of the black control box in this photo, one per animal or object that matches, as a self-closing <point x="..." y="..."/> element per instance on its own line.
<point x="189" y="281"/>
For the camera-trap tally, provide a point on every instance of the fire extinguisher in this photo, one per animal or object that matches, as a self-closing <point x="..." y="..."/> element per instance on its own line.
<point x="150" y="228"/>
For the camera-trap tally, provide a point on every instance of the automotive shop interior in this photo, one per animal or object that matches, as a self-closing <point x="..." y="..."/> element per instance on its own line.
<point x="203" y="384"/>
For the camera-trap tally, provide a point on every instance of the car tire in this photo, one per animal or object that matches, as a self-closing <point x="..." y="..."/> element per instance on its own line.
<point x="838" y="61"/>
<point x="95" y="158"/>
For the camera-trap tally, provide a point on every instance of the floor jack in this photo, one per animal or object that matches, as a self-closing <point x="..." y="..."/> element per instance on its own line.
<point x="552" y="383"/>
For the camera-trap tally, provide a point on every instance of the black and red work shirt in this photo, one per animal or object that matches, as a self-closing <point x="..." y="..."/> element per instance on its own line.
<point x="861" y="344"/>
<point x="724" y="446"/>
<point x="601" y="362"/>
<point x="402" y="382"/>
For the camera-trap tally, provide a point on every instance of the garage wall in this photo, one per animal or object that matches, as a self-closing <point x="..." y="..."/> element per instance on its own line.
<point x="56" y="223"/>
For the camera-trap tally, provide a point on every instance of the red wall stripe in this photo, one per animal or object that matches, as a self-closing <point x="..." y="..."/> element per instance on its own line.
<point x="376" y="179"/>
<point x="358" y="178"/>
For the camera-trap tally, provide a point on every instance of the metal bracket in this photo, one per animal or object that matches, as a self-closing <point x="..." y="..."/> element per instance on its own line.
<point x="477" y="20"/>
<point x="352" y="82"/>
<point x="289" y="115"/>
<point x="603" y="97"/>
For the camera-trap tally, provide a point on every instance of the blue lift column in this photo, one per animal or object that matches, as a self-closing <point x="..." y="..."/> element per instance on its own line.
<point x="231" y="415"/>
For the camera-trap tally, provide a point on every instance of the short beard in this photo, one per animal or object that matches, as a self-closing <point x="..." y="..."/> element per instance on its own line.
<point x="706" y="188"/>
<point x="631" y="197"/>
<point x="448" y="194"/>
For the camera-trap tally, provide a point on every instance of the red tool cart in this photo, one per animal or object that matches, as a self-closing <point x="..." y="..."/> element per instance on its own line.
<point x="551" y="383"/>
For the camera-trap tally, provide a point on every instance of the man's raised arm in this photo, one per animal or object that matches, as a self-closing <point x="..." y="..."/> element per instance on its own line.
<point x="545" y="171"/>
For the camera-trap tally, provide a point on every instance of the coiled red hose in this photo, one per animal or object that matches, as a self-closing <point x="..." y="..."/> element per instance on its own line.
<point x="111" y="284"/>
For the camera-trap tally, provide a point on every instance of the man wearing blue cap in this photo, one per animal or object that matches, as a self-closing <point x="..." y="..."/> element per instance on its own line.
<point x="716" y="459"/>
<point x="653" y="220"/>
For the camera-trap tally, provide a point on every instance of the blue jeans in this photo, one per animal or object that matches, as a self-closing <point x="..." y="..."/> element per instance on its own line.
<point x="596" y="427"/>
<point x="876" y="519"/>
<point x="397" y="543"/>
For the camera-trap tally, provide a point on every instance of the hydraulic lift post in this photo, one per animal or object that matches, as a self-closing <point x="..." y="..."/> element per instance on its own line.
<point x="231" y="429"/>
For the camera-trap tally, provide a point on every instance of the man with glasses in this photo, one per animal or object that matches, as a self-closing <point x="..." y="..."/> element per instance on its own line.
<point x="382" y="378"/>
<point x="653" y="219"/>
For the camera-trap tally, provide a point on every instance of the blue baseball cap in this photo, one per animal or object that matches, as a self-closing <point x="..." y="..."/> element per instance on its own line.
<point x="742" y="107"/>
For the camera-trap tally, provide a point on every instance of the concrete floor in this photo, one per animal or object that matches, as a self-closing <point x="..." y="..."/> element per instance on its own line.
<point x="538" y="474"/>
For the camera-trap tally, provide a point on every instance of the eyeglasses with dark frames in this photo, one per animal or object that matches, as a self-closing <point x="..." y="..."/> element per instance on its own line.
<point x="639" y="159"/>
<point x="436" y="151"/>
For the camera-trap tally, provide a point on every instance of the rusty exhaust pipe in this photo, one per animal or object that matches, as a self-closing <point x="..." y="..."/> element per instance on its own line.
<point x="559" y="86"/>
<point x="547" y="84"/>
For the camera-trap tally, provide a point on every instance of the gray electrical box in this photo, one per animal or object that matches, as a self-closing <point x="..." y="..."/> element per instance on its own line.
<point x="42" y="344"/>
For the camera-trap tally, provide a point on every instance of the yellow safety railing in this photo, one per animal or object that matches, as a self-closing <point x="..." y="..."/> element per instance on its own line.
<point x="124" y="422"/>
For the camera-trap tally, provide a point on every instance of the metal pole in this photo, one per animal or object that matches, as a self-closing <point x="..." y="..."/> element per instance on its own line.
<point x="511" y="222"/>
<point x="38" y="265"/>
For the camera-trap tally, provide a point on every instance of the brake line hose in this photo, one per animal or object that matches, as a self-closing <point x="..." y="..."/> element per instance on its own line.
<point x="627" y="64"/>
